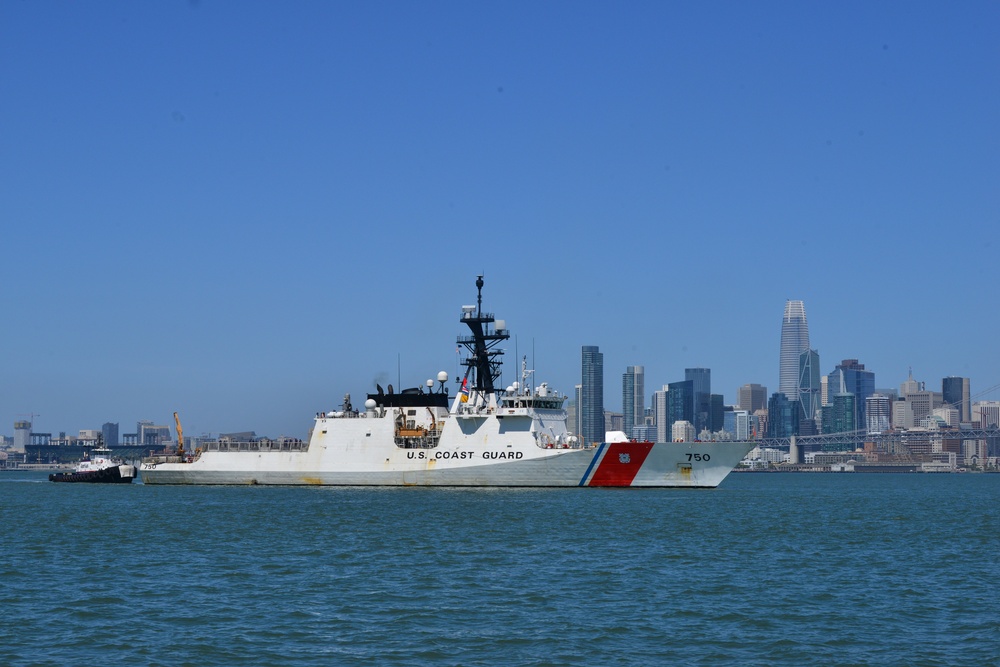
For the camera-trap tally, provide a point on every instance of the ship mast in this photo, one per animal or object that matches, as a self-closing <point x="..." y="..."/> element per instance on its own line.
<point x="484" y="356"/>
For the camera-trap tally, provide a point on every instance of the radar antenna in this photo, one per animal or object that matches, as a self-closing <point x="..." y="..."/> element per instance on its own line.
<point x="484" y="356"/>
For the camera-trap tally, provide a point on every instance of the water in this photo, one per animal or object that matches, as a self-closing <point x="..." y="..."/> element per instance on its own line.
<point x="768" y="569"/>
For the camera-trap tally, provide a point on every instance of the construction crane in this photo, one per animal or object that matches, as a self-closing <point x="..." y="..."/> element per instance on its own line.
<point x="31" y="417"/>
<point x="180" y="436"/>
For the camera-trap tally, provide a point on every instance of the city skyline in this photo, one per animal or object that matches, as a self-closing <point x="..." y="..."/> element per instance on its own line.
<point x="593" y="355"/>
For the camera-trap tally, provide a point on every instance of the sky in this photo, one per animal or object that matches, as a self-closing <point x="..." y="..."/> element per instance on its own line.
<point x="242" y="211"/>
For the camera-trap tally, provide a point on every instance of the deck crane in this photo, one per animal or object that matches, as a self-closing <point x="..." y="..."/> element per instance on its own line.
<point x="180" y="436"/>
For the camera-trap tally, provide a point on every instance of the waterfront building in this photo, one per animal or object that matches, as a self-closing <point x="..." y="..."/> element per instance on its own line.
<point x="878" y="413"/>
<point x="751" y="397"/>
<point x="633" y="398"/>
<point x="794" y="341"/>
<point x="701" y="383"/>
<point x="592" y="395"/>
<point x="680" y="403"/>
<point x="153" y="436"/>
<point x="783" y="416"/>
<point x="955" y="392"/>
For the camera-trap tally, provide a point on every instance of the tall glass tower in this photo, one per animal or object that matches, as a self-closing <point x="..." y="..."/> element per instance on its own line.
<point x="701" y="382"/>
<point x="592" y="396"/>
<point x="633" y="403"/>
<point x="809" y="385"/>
<point x="794" y="341"/>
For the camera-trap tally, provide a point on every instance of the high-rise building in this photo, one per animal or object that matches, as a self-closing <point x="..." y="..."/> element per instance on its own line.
<point x="592" y="396"/>
<point x="701" y="384"/>
<point x="738" y="424"/>
<point x="716" y="412"/>
<point x="794" y="341"/>
<point x="851" y="377"/>
<point x="751" y="397"/>
<point x="955" y="392"/>
<point x="809" y="384"/>
<point x="841" y="415"/>
<point x="986" y="413"/>
<point x="878" y="412"/>
<point x="109" y="432"/>
<point x="577" y="412"/>
<point x="782" y="416"/>
<point x="902" y="414"/>
<point x="633" y="401"/>
<point x="910" y="386"/>
<point x="660" y="415"/>
<point x="680" y="403"/>
<point x="22" y="435"/>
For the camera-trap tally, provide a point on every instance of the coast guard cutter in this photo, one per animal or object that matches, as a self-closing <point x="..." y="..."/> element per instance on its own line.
<point x="482" y="436"/>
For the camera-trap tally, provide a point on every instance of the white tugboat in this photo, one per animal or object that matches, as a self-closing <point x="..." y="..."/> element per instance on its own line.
<point x="101" y="468"/>
<point x="483" y="436"/>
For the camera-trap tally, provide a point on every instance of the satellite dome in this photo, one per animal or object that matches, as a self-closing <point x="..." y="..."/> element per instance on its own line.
<point x="370" y="404"/>
<point x="443" y="376"/>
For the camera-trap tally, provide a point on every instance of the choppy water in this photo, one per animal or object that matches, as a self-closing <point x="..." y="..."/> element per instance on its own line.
<point x="768" y="569"/>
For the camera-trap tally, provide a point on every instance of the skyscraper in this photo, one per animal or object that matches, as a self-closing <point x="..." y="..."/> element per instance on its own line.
<point x="782" y="416"/>
<point x="878" y="412"/>
<point x="794" y="341"/>
<point x="680" y="403"/>
<point x="841" y="415"/>
<point x="851" y="377"/>
<point x="955" y="392"/>
<point x="701" y="385"/>
<point x="633" y="403"/>
<point x="809" y="385"/>
<point x="752" y="397"/>
<point x="660" y="415"/>
<point x="592" y="396"/>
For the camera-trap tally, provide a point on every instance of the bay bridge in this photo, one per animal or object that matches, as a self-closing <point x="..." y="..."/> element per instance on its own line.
<point x="979" y="437"/>
<point x="891" y="442"/>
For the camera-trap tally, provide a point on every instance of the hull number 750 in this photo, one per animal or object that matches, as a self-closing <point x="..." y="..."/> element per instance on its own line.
<point x="698" y="457"/>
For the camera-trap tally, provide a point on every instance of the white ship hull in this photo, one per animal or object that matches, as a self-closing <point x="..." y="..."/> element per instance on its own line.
<point x="665" y="464"/>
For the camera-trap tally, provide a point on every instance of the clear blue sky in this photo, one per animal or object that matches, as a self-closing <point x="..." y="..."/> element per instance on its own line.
<point x="244" y="210"/>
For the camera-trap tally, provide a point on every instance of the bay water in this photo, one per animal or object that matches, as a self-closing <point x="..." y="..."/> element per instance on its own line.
<point x="768" y="569"/>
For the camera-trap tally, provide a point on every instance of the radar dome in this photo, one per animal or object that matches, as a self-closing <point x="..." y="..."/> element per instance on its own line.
<point x="370" y="404"/>
<point x="443" y="376"/>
